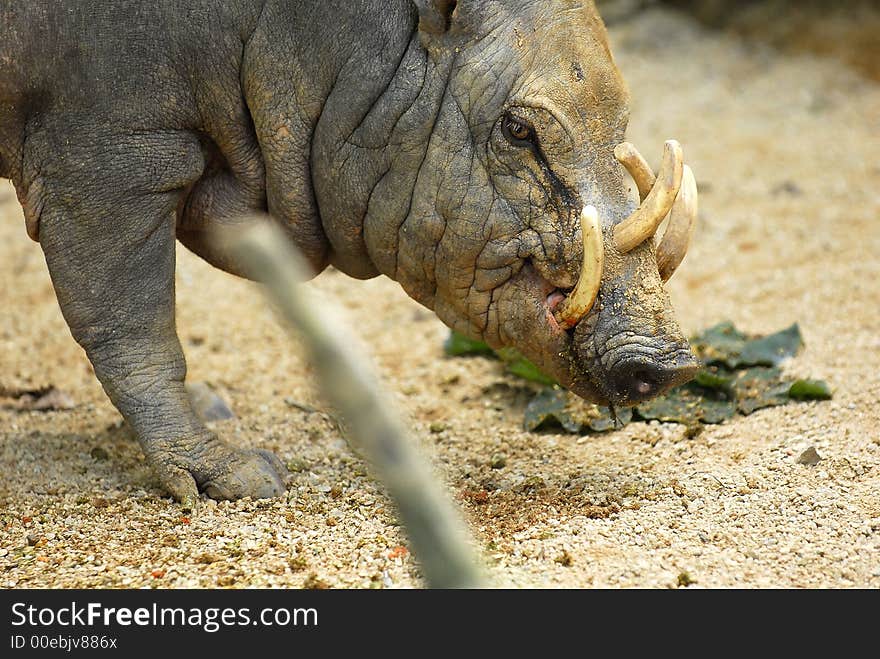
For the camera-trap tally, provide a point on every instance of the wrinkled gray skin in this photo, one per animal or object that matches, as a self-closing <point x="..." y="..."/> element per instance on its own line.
<point x="372" y="132"/>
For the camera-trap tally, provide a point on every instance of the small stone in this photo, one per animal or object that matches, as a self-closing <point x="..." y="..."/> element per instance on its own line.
<point x="207" y="558"/>
<point x="437" y="427"/>
<point x="99" y="454"/>
<point x="787" y="187"/>
<point x="302" y="407"/>
<point x="684" y="580"/>
<point x="809" y="457"/>
<point x="564" y="559"/>
<point x="695" y="505"/>
<point x="498" y="461"/>
<point x="32" y="540"/>
<point x="314" y="582"/>
<point x="478" y="497"/>
<point x="297" y="563"/>
<point x="52" y="399"/>
<point x="296" y="465"/>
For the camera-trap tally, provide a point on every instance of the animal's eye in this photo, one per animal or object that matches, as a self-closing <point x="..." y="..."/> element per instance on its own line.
<point x="517" y="132"/>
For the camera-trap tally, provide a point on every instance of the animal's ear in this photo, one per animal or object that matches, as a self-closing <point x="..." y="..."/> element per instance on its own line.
<point x="435" y="16"/>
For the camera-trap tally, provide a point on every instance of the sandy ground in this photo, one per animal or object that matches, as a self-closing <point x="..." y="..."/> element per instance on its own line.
<point x="785" y="149"/>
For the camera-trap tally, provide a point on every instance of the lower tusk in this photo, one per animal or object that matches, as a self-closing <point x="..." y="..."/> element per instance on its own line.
<point x="637" y="166"/>
<point x="643" y="223"/>
<point x="682" y="222"/>
<point x="581" y="299"/>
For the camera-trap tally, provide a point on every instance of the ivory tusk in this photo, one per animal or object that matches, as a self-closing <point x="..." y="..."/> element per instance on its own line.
<point x="637" y="166"/>
<point x="682" y="222"/>
<point x="643" y="223"/>
<point x="581" y="299"/>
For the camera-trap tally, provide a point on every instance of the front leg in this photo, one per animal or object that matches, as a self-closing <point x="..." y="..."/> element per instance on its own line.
<point x="109" y="245"/>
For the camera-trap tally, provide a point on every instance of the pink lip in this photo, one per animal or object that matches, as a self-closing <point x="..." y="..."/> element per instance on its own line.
<point x="553" y="300"/>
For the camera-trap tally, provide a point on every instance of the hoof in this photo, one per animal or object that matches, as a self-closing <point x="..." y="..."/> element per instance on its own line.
<point x="257" y="474"/>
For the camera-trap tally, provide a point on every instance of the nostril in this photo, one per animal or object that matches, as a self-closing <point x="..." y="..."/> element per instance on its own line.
<point x="644" y="381"/>
<point x="636" y="381"/>
<point x="643" y="387"/>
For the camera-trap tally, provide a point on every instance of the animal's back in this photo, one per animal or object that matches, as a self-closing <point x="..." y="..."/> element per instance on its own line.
<point x="112" y="60"/>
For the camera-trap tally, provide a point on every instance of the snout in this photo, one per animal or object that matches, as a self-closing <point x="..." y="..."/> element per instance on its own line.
<point x="613" y="337"/>
<point x="635" y="380"/>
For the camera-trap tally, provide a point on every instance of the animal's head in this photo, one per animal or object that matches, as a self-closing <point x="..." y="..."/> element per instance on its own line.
<point x="543" y="245"/>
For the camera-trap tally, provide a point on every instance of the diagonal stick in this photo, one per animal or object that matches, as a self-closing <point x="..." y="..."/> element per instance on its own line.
<point x="436" y="531"/>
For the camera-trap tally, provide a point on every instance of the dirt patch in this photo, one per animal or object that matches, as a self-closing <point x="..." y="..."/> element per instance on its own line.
<point x="784" y="147"/>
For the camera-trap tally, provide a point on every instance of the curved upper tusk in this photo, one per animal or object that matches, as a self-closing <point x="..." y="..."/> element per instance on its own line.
<point x="581" y="299"/>
<point x="682" y="222"/>
<point x="643" y="223"/>
<point x="637" y="166"/>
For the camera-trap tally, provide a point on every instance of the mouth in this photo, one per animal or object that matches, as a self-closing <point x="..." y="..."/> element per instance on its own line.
<point x="621" y="369"/>
<point x="527" y="314"/>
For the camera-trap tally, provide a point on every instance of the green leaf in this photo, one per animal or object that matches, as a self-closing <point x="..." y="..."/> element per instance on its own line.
<point x="523" y="368"/>
<point x="715" y="411"/>
<point x="724" y="345"/>
<point x="741" y="376"/>
<point x="458" y="345"/>
<point x="528" y="371"/>
<point x="688" y="404"/>
<point x="554" y="406"/>
<point x="809" y="390"/>
<point x="713" y="378"/>
<point x="771" y="350"/>
<point x="759" y="387"/>
<point x="604" y="420"/>
<point x="547" y="408"/>
<point x="719" y="343"/>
